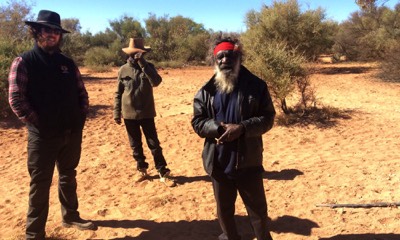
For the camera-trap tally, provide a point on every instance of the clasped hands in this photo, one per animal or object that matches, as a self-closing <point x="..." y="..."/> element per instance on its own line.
<point x="230" y="133"/>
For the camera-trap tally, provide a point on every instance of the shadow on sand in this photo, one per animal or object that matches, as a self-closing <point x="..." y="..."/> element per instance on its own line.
<point x="204" y="229"/>
<point x="364" y="236"/>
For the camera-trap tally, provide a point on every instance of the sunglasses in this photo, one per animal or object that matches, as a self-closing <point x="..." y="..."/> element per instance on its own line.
<point x="51" y="30"/>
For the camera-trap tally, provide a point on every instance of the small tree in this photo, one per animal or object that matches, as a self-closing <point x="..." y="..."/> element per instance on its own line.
<point x="277" y="48"/>
<point x="369" y="33"/>
<point x="308" y="32"/>
<point x="74" y="44"/>
<point x="176" y="39"/>
<point x="127" y="27"/>
<point x="12" y="17"/>
<point x="282" y="69"/>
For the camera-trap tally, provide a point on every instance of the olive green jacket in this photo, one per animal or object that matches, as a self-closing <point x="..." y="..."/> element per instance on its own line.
<point x="134" y="96"/>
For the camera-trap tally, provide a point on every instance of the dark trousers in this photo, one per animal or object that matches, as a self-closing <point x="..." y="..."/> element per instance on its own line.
<point x="135" y="139"/>
<point x="251" y="190"/>
<point x="44" y="154"/>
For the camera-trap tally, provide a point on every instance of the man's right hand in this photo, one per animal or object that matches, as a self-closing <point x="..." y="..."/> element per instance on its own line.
<point x="117" y="120"/>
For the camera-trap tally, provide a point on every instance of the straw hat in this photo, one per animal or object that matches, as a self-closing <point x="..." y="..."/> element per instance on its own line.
<point x="136" y="45"/>
<point x="48" y="19"/>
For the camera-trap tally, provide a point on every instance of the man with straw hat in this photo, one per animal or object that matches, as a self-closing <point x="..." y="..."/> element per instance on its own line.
<point x="47" y="93"/>
<point x="134" y="102"/>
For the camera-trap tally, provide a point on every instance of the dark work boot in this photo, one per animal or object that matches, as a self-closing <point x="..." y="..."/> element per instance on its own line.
<point x="80" y="224"/>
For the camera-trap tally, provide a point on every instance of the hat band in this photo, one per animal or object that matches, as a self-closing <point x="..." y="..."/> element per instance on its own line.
<point x="224" y="46"/>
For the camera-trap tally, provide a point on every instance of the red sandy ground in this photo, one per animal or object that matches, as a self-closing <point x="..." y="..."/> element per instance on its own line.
<point x="352" y="159"/>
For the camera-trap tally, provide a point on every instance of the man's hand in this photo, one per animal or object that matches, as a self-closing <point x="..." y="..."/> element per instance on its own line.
<point x="232" y="132"/>
<point x="138" y="56"/>
<point x="117" y="120"/>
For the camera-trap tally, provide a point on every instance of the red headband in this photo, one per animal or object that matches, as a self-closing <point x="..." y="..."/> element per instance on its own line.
<point x="224" y="46"/>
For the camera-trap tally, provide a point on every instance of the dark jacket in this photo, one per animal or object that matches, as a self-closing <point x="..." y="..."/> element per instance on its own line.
<point x="257" y="116"/>
<point x="134" y="96"/>
<point x="53" y="92"/>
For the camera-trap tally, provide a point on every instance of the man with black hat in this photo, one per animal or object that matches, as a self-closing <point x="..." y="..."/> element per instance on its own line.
<point x="232" y="111"/>
<point x="47" y="93"/>
<point x="134" y="102"/>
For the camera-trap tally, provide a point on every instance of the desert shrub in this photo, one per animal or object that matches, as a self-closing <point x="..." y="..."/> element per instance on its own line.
<point x="282" y="68"/>
<point x="368" y="33"/>
<point x="99" y="56"/>
<point x="307" y="31"/>
<point x="13" y="13"/>
<point x="100" y="68"/>
<point x="75" y="47"/>
<point x="390" y="66"/>
<point x="176" y="39"/>
<point x="170" y="64"/>
<point x="119" y="56"/>
<point x="8" y="51"/>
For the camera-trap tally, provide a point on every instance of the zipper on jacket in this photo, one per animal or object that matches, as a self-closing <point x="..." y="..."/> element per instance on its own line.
<point x="239" y="110"/>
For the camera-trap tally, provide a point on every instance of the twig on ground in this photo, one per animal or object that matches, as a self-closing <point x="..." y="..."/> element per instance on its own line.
<point x="366" y="205"/>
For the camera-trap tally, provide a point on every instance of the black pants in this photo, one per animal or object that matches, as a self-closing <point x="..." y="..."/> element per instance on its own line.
<point x="251" y="190"/>
<point x="44" y="154"/>
<point x="135" y="139"/>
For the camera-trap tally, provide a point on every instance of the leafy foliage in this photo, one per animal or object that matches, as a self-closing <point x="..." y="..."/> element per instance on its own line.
<point x="308" y="31"/>
<point x="273" y="44"/>
<point x="98" y="56"/>
<point x="74" y="43"/>
<point x="281" y="67"/>
<point x="391" y="64"/>
<point x="127" y="27"/>
<point x="9" y="50"/>
<point x="369" y="34"/>
<point x="12" y="17"/>
<point x="176" y="39"/>
<point x="13" y="41"/>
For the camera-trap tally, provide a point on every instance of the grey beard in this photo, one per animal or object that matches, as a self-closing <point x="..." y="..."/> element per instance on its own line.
<point x="225" y="81"/>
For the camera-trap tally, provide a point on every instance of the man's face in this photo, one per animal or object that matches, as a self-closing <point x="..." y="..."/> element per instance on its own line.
<point x="227" y="65"/>
<point x="49" y="39"/>
<point x="226" y="60"/>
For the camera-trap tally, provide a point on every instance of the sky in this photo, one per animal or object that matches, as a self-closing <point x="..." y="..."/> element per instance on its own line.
<point x="219" y="15"/>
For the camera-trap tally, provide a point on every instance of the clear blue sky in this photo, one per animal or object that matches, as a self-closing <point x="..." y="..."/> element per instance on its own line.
<point x="219" y="15"/>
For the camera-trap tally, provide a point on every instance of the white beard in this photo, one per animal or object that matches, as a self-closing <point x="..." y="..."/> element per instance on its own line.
<point x="225" y="80"/>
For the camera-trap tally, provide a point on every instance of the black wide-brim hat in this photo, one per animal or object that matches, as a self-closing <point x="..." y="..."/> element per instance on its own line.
<point x="48" y="19"/>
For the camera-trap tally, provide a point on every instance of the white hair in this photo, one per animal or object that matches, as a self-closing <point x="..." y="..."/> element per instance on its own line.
<point x="226" y="80"/>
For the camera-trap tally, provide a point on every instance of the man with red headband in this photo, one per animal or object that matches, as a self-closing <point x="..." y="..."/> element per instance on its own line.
<point x="232" y="111"/>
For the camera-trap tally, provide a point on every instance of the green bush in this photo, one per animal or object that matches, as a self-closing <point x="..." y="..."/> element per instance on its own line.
<point x="99" y="56"/>
<point x="74" y="46"/>
<point x="282" y="68"/>
<point x="390" y="66"/>
<point x="284" y="21"/>
<point x="369" y="33"/>
<point x="8" y="51"/>
<point x="170" y="64"/>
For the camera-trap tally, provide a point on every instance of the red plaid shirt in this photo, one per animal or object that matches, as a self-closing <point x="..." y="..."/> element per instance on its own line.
<point x="18" y="83"/>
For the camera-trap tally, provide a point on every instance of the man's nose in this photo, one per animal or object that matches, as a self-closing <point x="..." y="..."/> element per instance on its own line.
<point x="226" y="59"/>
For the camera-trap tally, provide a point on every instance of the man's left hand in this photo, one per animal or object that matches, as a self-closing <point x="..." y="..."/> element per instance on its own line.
<point x="138" y="56"/>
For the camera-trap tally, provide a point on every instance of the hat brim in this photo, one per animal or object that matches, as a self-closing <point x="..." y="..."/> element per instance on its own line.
<point x="136" y="50"/>
<point x="40" y="24"/>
